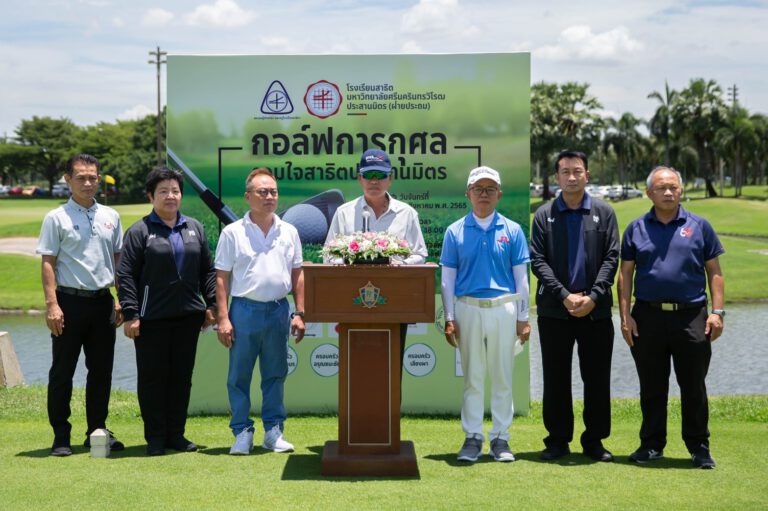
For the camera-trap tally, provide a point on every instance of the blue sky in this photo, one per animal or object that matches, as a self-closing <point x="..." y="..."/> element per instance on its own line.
<point x="87" y="59"/>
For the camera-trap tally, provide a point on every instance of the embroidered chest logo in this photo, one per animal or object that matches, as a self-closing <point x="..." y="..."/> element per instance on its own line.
<point x="192" y="233"/>
<point x="152" y="236"/>
<point x="109" y="225"/>
<point x="686" y="232"/>
<point x="596" y="219"/>
<point x="503" y="239"/>
<point x="551" y="220"/>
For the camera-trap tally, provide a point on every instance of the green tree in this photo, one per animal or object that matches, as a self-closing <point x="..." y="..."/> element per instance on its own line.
<point x="760" y="122"/>
<point x="15" y="159"/>
<point x="56" y="139"/>
<point x="660" y="124"/>
<point x="562" y="116"/>
<point x="626" y="142"/>
<point x="697" y="113"/>
<point x="737" y="142"/>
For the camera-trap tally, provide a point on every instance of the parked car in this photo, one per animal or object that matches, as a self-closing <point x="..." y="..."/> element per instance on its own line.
<point x="16" y="190"/>
<point x="61" y="190"/>
<point x="536" y="190"/>
<point x="34" y="191"/>
<point x="594" y="191"/>
<point x="4" y="189"/>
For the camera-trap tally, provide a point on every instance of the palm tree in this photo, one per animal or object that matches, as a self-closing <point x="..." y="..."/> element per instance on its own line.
<point x="760" y="122"/>
<point x="626" y="142"/>
<point x="737" y="141"/>
<point x="697" y="113"/>
<point x="661" y="122"/>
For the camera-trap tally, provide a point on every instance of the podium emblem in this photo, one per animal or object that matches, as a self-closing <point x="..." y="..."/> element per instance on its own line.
<point x="370" y="296"/>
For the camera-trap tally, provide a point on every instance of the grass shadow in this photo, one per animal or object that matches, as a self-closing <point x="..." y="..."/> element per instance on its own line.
<point x="306" y="467"/>
<point x="224" y="451"/>
<point x="450" y="459"/>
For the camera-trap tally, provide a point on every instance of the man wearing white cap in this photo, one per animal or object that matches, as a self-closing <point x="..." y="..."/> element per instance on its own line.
<point x="484" y="266"/>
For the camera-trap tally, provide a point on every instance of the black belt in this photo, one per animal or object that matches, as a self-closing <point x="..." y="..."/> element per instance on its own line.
<point x="87" y="293"/>
<point x="671" y="306"/>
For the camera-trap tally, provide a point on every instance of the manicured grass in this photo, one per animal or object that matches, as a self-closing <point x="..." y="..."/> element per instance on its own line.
<point x="23" y="217"/>
<point x="210" y="479"/>
<point x="21" y="282"/>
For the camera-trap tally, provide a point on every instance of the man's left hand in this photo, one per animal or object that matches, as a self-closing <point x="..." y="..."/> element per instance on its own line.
<point x="584" y="305"/>
<point x="118" y="314"/>
<point x="297" y="328"/>
<point x="210" y="319"/>
<point x="714" y="328"/>
<point x="523" y="331"/>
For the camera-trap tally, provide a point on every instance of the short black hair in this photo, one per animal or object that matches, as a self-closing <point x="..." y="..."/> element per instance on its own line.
<point x="162" y="173"/>
<point x="568" y="153"/>
<point x="83" y="158"/>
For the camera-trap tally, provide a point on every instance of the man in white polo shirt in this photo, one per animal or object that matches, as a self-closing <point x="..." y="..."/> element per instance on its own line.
<point x="80" y="244"/>
<point x="258" y="262"/>
<point x="484" y="265"/>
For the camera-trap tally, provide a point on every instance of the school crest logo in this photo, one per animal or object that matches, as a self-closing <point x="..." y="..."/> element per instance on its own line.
<point x="370" y="296"/>
<point x="686" y="232"/>
<point x="323" y="99"/>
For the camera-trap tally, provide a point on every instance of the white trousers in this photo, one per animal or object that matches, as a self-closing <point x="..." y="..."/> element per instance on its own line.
<point x="487" y="342"/>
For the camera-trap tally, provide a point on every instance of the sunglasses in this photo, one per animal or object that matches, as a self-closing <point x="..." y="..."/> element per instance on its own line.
<point x="378" y="175"/>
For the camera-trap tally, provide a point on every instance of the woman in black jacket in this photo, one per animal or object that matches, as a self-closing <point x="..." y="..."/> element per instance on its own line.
<point x="167" y="288"/>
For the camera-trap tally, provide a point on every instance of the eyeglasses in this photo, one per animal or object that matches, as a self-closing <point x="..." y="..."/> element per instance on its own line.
<point x="488" y="190"/>
<point x="265" y="192"/>
<point x="378" y="175"/>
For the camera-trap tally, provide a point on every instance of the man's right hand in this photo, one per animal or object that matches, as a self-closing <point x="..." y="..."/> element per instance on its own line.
<point x="628" y="330"/>
<point x="226" y="333"/>
<point x="452" y="333"/>
<point x="54" y="319"/>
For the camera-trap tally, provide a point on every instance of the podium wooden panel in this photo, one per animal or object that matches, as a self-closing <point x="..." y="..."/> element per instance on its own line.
<point x="369" y="302"/>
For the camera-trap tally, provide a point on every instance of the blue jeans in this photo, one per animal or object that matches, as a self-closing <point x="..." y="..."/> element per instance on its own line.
<point x="260" y="331"/>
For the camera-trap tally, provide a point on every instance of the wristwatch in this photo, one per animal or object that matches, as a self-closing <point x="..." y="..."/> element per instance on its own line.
<point x="719" y="312"/>
<point x="297" y="313"/>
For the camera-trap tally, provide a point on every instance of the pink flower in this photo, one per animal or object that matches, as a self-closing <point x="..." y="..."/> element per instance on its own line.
<point x="354" y="246"/>
<point x="369" y="235"/>
<point x="402" y="243"/>
<point x="382" y="243"/>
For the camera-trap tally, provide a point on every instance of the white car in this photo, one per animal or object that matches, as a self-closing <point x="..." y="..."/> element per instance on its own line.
<point x="60" y="190"/>
<point x="4" y="189"/>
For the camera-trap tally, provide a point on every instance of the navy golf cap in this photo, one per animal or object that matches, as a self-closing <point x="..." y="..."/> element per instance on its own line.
<point x="375" y="159"/>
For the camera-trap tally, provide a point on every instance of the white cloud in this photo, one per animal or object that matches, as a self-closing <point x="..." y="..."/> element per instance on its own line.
<point x="222" y="13"/>
<point x="411" y="47"/>
<point x="118" y="22"/>
<point x="437" y="17"/>
<point x="157" y="18"/>
<point x="580" y="44"/>
<point x="135" y="113"/>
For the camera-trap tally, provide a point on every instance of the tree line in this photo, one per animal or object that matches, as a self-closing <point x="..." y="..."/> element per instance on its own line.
<point x="692" y="129"/>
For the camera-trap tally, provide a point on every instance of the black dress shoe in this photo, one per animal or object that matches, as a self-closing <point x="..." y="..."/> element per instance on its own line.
<point x="598" y="453"/>
<point x="155" y="450"/>
<point x="61" y="450"/>
<point x="554" y="452"/>
<point x="114" y="443"/>
<point x="181" y="444"/>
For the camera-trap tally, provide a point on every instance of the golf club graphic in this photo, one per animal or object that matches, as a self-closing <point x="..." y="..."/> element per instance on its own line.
<point x="313" y="216"/>
<point x="221" y="210"/>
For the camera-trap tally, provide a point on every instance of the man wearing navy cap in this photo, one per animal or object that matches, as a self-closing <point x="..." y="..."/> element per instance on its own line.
<point x="574" y="254"/>
<point x="673" y="255"/>
<point x="485" y="266"/>
<point x="378" y="211"/>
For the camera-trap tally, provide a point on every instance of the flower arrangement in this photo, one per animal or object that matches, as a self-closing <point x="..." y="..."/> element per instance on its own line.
<point x="366" y="246"/>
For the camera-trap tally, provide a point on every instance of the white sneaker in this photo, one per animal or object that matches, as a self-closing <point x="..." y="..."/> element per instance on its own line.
<point x="243" y="442"/>
<point x="274" y="441"/>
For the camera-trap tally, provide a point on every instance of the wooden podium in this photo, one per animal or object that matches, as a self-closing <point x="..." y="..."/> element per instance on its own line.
<point x="369" y="302"/>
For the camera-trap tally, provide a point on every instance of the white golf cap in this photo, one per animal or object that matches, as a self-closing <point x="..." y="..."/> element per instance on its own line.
<point x="483" y="173"/>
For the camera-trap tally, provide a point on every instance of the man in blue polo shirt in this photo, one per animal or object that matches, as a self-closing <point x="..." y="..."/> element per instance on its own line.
<point x="484" y="265"/>
<point x="574" y="254"/>
<point x="673" y="255"/>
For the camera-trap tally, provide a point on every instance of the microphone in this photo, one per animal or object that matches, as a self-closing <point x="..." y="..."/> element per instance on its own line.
<point x="366" y="220"/>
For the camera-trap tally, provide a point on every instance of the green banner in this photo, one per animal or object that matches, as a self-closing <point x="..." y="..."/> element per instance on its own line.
<point x="309" y="118"/>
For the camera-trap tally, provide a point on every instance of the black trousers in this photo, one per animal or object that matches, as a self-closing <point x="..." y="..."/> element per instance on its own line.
<point x="165" y="359"/>
<point x="595" y="348"/>
<point x="89" y="324"/>
<point x="678" y="335"/>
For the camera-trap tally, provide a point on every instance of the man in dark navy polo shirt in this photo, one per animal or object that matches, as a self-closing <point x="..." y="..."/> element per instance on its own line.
<point x="672" y="255"/>
<point x="574" y="254"/>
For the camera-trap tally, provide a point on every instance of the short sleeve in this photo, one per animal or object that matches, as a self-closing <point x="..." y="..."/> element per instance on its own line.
<point x="225" y="251"/>
<point x="520" y="254"/>
<point x="448" y="255"/>
<point x="712" y="245"/>
<point x="49" y="243"/>
<point x="628" y="249"/>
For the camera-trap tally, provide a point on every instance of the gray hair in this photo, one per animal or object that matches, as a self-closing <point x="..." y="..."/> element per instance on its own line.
<point x="660" y="168"/>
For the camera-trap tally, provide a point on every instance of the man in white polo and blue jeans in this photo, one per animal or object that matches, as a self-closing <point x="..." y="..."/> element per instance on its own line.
<point x="258" y="260"/>
<point x="484" y="266"/>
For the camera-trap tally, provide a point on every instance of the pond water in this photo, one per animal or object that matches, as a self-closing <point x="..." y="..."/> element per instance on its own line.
<point x="739" y="357"/>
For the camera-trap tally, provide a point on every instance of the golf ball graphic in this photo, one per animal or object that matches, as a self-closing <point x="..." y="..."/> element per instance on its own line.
<point x="309" y="221"/>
